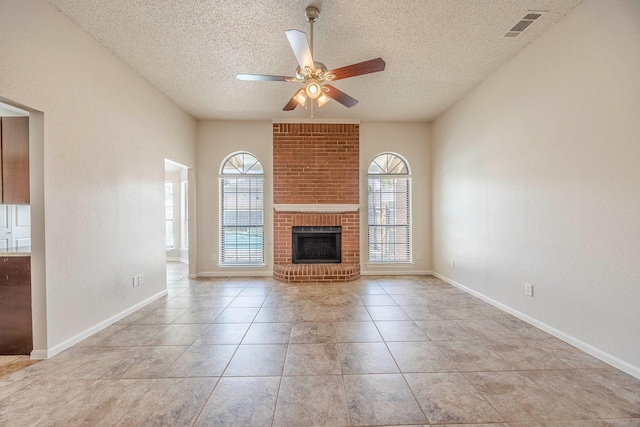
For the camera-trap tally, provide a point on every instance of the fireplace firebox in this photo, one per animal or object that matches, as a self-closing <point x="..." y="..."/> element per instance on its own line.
<point x="316" y="245"/>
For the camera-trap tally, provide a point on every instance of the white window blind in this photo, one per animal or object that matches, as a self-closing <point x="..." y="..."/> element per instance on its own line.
<point x="389" y="210"/>
<point x="242" y="211"/>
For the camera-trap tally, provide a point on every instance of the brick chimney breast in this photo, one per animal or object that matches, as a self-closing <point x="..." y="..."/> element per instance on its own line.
<point x="316" y="164"/>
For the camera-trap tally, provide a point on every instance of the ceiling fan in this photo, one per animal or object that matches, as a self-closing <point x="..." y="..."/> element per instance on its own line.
<point x="314" y="75"/>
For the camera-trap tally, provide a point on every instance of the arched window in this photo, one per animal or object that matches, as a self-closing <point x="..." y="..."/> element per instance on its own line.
<point x="241" y="210"/>
<point x="389" y="213"/>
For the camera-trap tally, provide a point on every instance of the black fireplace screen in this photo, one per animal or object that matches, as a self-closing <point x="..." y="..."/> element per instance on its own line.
<point x="316" y="244"/>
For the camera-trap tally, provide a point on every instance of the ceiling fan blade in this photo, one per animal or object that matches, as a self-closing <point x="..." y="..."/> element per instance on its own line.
<point x="340" y="96"/>
<point x="265" y="78"/>
<point x="366" y="67"/>
<point x="302" y="51"/>
<point x="291" y="105"/>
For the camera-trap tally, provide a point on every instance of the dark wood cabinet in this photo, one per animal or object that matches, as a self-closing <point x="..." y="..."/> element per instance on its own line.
<point x="14" y="150"/>
<point x="15" y="305"/>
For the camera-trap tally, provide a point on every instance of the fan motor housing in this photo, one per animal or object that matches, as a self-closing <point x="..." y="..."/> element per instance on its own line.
<point x="320" y="72"/>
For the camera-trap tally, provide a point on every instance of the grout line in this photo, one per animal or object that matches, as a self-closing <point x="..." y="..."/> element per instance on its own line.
<point x="215" y="386"/>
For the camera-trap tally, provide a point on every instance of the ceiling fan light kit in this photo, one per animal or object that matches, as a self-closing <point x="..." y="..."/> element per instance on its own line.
<point x="314" y="75"/>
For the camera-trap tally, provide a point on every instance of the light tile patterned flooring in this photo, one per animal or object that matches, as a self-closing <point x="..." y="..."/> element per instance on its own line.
<point x="378" y="351"/>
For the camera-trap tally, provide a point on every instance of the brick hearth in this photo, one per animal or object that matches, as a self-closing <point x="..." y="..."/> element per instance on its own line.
<point x="316" y="165"/>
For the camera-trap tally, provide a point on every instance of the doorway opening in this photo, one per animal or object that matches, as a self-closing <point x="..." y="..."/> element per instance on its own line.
<point x="22" y="231"/>
<point x="176" y="214"/>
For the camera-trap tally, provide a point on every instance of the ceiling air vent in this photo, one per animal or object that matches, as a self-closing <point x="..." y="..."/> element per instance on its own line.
<point x="524" y="23"/>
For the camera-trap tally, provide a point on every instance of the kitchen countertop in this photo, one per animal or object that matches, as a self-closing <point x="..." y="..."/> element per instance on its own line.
<point x="19" y="251"/>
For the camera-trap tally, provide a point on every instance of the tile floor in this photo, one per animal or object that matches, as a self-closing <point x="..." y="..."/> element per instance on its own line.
<point x="378" y="351"/>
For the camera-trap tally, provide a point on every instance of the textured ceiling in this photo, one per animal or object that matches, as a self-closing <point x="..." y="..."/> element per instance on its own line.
<point x="435" y="50"/>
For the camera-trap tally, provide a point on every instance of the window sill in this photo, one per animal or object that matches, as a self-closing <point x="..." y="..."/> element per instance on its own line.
<point x="388" y="264"/>
<point x="263" y="266"/>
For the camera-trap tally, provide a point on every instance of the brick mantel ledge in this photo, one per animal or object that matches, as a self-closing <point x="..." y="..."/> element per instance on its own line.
<point x="316" y="207"/>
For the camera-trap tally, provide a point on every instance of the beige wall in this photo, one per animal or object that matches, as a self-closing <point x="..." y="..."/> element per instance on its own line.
<point x="216" y="140"/>
<point x="106" y="134"/>
<point x="536" y="177"/>
<point x="411" y="141"/>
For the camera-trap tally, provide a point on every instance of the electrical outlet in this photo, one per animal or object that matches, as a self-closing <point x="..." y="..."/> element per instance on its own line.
<point x="140" y="279"/>
<point x="528" y="289"/>
<point x="213" y="257"/>
<point x="135" y="281"/>
<point x="418" y="255"/>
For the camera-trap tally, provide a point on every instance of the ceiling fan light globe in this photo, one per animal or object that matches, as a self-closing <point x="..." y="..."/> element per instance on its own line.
<point x="323" y="99"/>
<point x="313" y="90"/>
<point x="301" y="98"/>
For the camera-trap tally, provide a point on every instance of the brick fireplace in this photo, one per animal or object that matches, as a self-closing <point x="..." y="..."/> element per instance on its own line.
<point x="316" y="183"/>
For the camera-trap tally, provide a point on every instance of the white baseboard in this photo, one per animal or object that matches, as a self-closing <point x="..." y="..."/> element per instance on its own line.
<point x="395" y="272"/>
<point x="174" y="259"/>
<point x="39" y="354"/>
<point x="587" y="348"/>
<point x="184" y="260"/>
<point x="45" y="354"/>
<point x="234" y="273"/>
